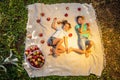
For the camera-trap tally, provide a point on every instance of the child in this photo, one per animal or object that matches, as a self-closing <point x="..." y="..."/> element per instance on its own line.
<point x="84" y="32"/>
<point x="59" y="37"/>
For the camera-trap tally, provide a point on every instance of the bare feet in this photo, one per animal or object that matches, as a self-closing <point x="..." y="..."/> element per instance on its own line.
<point x="51" y="51"/>
<point x="87" y="53"/>
<point x="55" y="52"/>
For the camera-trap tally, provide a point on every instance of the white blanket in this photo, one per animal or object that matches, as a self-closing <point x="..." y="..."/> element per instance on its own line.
<point x="72" y="64"/>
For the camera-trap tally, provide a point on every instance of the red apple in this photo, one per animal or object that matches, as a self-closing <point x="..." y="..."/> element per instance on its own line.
<point x="48" y="19"/>
<point x="28" y="50"/>
<point x="41" y="35"/>
<point x="37" y="66"/>
<point x="36" y="48"/>
<point x="35" y="57"/>
<point x="38" y="20"/>
<point x="42" y="41"/>
<point x="67" y="8"/>
<point x="42" y="14"/>
<point x="70" y="34"/>
<point x="66" y="15"/>
<point x="79" y="9"/>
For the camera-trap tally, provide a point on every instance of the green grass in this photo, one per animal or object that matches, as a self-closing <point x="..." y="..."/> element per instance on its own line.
<point x="13" y="19"/>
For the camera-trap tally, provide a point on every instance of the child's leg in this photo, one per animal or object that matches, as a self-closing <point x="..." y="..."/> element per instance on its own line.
<point x="76" y="50"/>
<point x="79" y="51"/>
<point x="59" y="43"/>
<point x="82" y="43"/>
<point x="89" y="45"/>
<point x="59" y="50"/>
<point x="55" y="41"/>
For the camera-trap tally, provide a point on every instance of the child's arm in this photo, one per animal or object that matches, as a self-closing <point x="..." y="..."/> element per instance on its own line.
<point x="88" y="30"/>
<point x="54" y="24"/>
<point x="66" y="42"/>
<point x="79" y="29"/>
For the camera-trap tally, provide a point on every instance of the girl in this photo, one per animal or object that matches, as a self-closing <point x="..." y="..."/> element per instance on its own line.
<point x="59" y="37"/>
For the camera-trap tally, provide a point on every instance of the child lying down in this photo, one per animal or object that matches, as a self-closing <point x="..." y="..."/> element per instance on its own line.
<point x="59" y="37"/>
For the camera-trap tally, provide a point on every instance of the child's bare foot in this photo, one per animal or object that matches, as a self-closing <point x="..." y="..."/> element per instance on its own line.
<point x="89" y="51"/>
<point x="51" y="51"/>
<point x="86" y="54"/>
<point x="70" y="49"/>
<point x="55" y="52"/>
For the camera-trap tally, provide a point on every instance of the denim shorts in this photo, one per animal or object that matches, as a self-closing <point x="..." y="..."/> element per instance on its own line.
<point x="51" y="41"/>
<point x="84" y="42"/>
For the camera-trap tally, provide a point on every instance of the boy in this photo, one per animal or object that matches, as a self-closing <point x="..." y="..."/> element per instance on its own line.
<point x="84" y="31"/>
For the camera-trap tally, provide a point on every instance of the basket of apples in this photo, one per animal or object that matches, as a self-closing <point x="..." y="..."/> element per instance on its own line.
<point x="34" y="57"/>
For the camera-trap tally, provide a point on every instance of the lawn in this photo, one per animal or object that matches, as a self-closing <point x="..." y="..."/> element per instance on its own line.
<point x="13" y="19"/>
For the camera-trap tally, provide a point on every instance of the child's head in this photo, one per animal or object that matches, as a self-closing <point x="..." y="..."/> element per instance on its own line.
<point x="66" y="25"/>
<point x="80" y="19"/>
